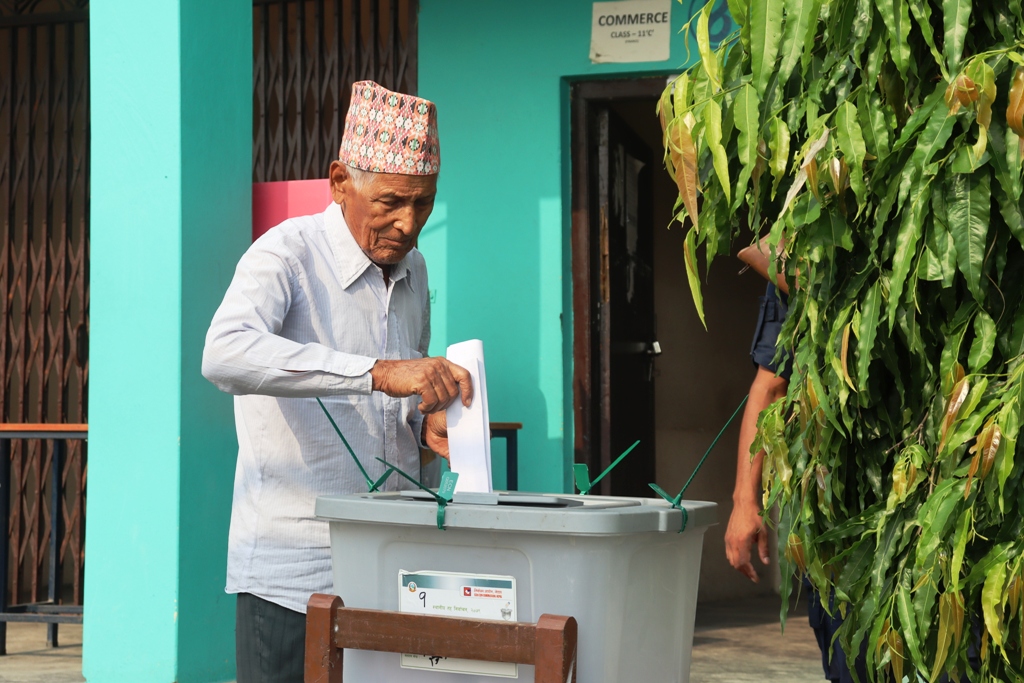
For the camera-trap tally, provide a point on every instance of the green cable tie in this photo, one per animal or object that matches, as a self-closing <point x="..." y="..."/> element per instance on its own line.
<point x="582" y="474"/>
<point x="370" y="483"/>
<point x="442" y="496"/>
<point x="675" y="502"/>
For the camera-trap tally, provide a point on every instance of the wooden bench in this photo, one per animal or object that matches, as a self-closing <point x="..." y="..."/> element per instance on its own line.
<point x="549" y="645"/>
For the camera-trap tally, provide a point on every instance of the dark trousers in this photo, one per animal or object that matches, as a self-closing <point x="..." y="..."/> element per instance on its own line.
<point x="269" y="641"/>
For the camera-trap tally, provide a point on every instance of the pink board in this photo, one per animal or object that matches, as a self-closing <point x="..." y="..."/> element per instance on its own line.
<point x="273" y="203"/>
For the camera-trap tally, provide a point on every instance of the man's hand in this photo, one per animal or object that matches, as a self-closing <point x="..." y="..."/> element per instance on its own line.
<point x="435" y="380"/>
<point x="746" y="528"/>
<point x="435" y="433"/>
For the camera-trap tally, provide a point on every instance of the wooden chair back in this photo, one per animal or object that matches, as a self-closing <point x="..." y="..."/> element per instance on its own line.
<point x="549" y="645"/>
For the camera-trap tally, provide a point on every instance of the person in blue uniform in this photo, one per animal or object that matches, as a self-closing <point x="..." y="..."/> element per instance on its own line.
<point x="746" y="530"/>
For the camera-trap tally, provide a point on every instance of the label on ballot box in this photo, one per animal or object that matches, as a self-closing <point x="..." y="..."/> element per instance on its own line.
<point x="448" y="594"/>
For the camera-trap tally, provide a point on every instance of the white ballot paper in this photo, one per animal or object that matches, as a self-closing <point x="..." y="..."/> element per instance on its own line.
<point x="469" y="429"/>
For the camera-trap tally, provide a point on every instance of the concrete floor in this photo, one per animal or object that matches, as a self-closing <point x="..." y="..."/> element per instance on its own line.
<point x="28" y="659"/>
<point x="742" y="642"/>
<point x="734" y="642"/>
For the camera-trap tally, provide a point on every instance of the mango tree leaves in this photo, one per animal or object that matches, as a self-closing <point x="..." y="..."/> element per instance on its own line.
<point x="713" y="128"/>
<point x="683" y="154"/>
<point x="969" y="203"/>
<point x="707" y="57"/>
<point x="869" y="313"/>
<point x="690" y="260"/>
<point x="992" y="602"/>
<point x="893" y="130"/>
<point x="906" y="245"/>
<point x="922" y="15"/>
<point x="747" y="114"/>
<point x="765" y="36"/>
<point x="738" y="9"/>
<point x="876" y="130"/>
<point x="851" y="141"/>
<point x="984" y="342"/>
<point x="955" y="17"/>
<point x="797" y="38"/>
<point x="896" y="16"/>
<point x="779" y="146"/>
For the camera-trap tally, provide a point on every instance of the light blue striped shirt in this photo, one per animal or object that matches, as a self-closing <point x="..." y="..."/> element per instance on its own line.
<point x="307" y="314"/>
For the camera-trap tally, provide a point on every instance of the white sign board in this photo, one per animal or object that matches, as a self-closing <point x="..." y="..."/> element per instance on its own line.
<point x="632" y="31"/>
<point x="481" y="596"/>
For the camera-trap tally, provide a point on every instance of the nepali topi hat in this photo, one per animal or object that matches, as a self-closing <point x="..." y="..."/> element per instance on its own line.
<point x="390" y="132"/>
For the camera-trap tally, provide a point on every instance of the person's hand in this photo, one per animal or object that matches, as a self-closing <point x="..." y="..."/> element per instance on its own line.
<point x="746" y="529"/>
<point x="435" y="433"/>
<point x="436" y="381"/>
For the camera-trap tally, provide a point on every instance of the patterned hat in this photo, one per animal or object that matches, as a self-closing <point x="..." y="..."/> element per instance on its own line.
<point x="389" y="132"/>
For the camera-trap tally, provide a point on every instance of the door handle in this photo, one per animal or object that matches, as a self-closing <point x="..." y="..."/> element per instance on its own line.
<point x="636" y="348"/>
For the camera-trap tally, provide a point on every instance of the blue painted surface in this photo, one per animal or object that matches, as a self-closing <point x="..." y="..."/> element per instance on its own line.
<point x="499" y="254"/>
<point x="171" y="143"/>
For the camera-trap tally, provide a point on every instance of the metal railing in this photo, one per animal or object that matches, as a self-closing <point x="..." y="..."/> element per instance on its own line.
<point x="52" y="611"/>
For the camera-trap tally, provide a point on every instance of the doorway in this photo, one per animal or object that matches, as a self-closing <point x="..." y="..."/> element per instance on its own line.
<point x="644" y="366"/>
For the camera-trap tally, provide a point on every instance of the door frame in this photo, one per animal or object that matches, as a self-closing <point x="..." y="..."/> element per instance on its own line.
<point x="591" y="390"/>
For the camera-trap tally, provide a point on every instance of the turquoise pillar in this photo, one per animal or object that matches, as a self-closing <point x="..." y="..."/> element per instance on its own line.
<point x="171" y="183"/>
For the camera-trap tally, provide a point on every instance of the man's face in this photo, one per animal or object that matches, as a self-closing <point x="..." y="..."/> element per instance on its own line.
<point x="386" y="215"/>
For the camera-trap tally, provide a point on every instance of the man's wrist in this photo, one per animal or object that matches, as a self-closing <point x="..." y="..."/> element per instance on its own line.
<point x="378" y="371"/>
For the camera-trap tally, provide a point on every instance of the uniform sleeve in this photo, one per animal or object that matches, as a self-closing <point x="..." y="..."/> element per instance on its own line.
<point x="764" y="347"/>
<point x="244" y="352"/>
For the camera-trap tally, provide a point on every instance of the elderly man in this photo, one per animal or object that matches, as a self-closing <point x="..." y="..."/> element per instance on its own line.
<point x="334" y="306"/>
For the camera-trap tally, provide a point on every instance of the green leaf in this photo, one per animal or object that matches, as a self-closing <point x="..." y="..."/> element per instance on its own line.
<point x="690" y="258"/>
<point x="922" y="114"/>
<point x="801" y="19"/>
<point x="779" y="146"/>
<point x="869" y="312"/>
<point x="935" y="517"/>
<point x="713" y="127"/>
<point x="896" y="16"/>
<point x="765" y="36"/>
<point x="984" y="342"/>
<point x="851" y="141"/>
<point x="933" y="138"/>
<point x="739" y="9"/>
<point x="877" y="138"/>
<point x="907" y="244"/>
<point x="956" y="15"/>
<point x="707" y="57"/>
<point x="960" y="547"/>
<point x="969" y="202"/>
<point x="992" y="602"/>
<point x="1005" y="156"/>
<point x="922" y="15"/>
<point x="747" y="115"/>
<point x="907" y="620"/>
<point x="861" y="28"/>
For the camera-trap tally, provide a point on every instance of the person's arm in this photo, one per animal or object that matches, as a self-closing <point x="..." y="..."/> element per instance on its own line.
<point x="746" y="527"/>
<point x="244" y="353"/>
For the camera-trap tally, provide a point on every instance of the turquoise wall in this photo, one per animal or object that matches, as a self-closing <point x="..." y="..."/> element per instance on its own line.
<point x="171" y="89"/>
<point x="497" y="246"/>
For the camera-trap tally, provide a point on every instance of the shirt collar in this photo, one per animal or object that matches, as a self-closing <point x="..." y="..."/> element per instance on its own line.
<point x="352" y="261"/>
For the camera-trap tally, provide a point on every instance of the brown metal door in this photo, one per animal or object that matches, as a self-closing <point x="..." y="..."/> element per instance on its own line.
<point x="306" y="55"/>
<point x="44" y="285"/>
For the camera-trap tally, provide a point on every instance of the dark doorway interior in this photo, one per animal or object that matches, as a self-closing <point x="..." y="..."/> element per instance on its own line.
<point x="613" y="283"/>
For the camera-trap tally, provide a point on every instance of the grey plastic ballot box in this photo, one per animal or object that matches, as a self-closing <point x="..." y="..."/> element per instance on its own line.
<point x="620" y="566"/>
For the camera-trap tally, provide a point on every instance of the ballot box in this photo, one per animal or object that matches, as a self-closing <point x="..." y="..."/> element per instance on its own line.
<point x="625" y="568"/>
